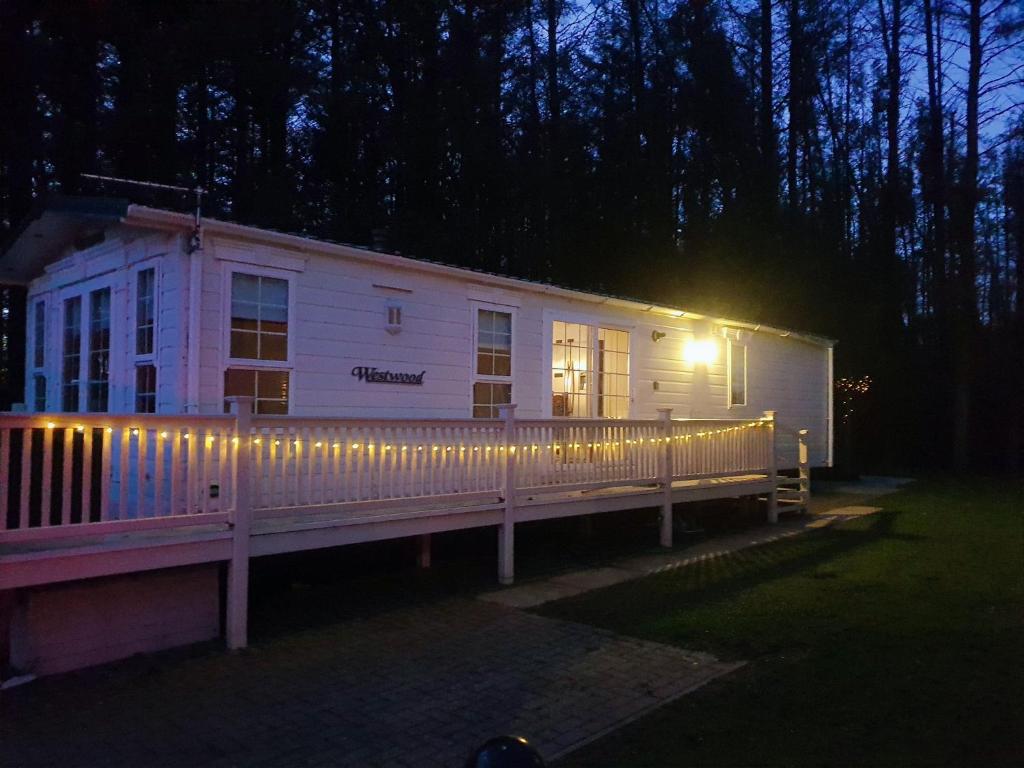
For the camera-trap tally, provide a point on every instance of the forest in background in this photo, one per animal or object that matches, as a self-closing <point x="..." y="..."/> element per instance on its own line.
<point x="853" y="168"/>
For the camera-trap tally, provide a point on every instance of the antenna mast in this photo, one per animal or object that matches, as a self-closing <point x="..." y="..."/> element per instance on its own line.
<point x="195" y="241"/>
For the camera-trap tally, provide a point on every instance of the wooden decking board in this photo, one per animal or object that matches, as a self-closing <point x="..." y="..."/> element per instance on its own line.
<point x="312" y="529"/>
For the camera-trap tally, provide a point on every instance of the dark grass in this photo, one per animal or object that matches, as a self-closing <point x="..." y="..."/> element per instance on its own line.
<point x="896" y="639"/>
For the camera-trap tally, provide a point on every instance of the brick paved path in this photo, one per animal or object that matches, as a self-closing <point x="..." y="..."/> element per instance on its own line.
<point x="412" y="687"/>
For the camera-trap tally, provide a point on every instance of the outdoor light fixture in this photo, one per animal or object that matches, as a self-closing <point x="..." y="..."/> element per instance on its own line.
<point x="700" y="351"/>
<point x="657" y="335"/>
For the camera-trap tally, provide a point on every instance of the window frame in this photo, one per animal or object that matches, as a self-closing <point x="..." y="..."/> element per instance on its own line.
<point x="87" y="322"/>
<point x="486" y="378"/>
<point x="596" y="323"/>
<point x="287" y="365"/>
<point x="83" y="346"/>
<point x="37" y="370"/>
<point x="255" y="403"/>
<point x="137" y="271"/>
<point x="140" y="359"/>
<point x="139" y="366"/>
<point x="255" y="270"/>
<point x="83" y="292"/>
<point x="728" y="374"/>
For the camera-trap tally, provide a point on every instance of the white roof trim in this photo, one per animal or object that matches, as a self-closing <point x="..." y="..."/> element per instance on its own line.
<point x="139" y="215"/>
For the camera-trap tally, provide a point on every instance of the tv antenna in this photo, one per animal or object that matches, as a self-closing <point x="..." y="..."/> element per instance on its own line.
<point x="195" y="241"/>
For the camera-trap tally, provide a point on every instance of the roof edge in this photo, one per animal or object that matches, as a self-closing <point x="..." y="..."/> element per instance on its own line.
<point x="163" y="219"/>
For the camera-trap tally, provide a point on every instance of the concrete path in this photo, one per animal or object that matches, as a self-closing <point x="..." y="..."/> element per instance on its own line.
<point x="824" y="511"/>
<point x="414" y="687"/>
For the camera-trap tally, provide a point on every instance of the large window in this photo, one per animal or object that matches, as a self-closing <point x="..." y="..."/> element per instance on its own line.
<point x="71" y="367"/>
<point x="492" y="385"/>
<point x="259" y="317"/>
<point x="268" y="388"/>
<point x="737" y="374"/>
<point x="98" y="392"/>
<point x="589" y="371"/>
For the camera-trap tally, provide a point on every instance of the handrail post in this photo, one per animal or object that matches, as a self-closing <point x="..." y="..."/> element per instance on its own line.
<point x="803" y="460"/>
<point x="237" y="613"/>
<point x="773" y="494"/>
<point x="665" y="414"/>
<point x="506" y="531"/>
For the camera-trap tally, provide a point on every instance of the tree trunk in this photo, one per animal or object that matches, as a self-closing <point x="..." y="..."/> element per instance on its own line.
<point x="792" y="136"/>
<point x="19" y="130"/>
<point x="769" y="141"/>
<point x="966" y="311"/>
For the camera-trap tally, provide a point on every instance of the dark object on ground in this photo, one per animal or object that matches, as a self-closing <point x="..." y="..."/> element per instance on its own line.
<point x="505" y="752"/>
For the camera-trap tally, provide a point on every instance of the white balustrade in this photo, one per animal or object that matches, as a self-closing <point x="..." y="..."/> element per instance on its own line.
<point x="64" y="473"/>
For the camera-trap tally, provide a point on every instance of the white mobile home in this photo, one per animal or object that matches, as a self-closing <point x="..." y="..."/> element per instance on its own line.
<point x="126" y="317"/>
<point x="197" y="396"/>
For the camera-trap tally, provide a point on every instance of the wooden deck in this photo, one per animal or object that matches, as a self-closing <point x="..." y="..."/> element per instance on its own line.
<point x="132" y="494"/>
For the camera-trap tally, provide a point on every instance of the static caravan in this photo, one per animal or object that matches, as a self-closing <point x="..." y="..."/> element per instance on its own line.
<point x="245" y="392"/>
<point x="129" y="313"/>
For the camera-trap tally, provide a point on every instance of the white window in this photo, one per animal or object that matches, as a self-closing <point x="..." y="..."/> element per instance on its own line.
<point x="589" y="371"/>
<point x="492" y="383"/>
<point x="71" y="363"/>
<point x="737" y="367"/>
<point x="259" y="317"/>
<point x="145" y="314"/>
<point x="39" y="393"/>
<point x="268" y="388"/>
<point x="259" y="334"/>
<point x="39" y="356"/>
<point x="98" y="390"/>
<point x="145" y="340"/>
<point x="39" y="337"/>
<point x="145" y="388"/>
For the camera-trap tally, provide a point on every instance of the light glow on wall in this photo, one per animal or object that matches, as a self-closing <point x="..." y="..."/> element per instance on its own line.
<point x="700" y="352"/>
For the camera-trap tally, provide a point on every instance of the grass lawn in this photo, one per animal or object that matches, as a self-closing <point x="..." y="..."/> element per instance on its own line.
<point x="893" y="639"/>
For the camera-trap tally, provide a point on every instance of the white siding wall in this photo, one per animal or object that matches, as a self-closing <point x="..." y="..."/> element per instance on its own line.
<point x="338" y="310"/>
<point x="338" y="315"/>
<point x="113" y="263"/>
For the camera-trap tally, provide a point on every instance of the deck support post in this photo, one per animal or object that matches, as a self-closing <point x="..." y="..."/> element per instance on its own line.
<point x="666" y="472"/>
<point x="803" y="460"/>
<point x="773" y="474"/>
<point x="423" y="550"/>
<point x="237" y="614"/>
<point x="506" y="531"/>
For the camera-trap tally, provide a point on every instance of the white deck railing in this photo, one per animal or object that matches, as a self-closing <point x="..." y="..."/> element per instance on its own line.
<point x="68" y="473"/>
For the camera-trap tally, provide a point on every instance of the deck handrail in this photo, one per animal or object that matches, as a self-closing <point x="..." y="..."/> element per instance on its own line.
<point x="78" y="470"/>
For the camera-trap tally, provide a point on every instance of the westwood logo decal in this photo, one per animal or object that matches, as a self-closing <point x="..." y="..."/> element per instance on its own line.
<point x="377" y="376"/>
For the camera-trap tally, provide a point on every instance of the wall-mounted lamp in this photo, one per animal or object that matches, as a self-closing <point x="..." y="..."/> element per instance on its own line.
<point x="700" y="351"/>
<point x="657" y="335"/>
